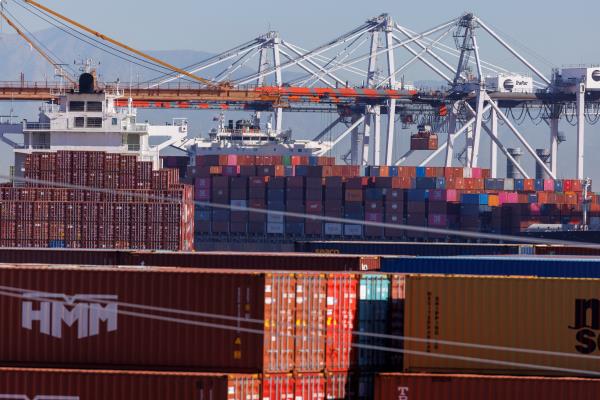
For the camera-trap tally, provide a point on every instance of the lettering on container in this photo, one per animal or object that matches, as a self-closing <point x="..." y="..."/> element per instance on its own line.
<point x="587" y="323"/>
<point x="83" y="310"/>
<point x="38" y="397"/>
<point x="402" y="393"/>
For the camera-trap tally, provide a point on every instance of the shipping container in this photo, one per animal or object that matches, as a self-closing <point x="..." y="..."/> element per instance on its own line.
<point x="407" y="248"/>
<point x="373" y="320"/>
<point x="101" y="317"/>
<point x="558" y="267"/>
<point x="311" y="321"/>
<point x="532" y="326"/>
<point x="70" y="384"/>
<point x="400" y="386"/>
<point x="215" y="260"/>
<point x="341" y="316"/>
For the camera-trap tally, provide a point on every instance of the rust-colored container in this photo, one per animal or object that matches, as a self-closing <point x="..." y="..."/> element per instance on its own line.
<point x="311" y="300"/>
<point x="161" y="318"/>
<point x="528" y="326"/>
<point x="309" y="386"/>
<point x="19" y="383"/>
<point x="277" y="387"/>
<point x="392" y="386"/>
<point x="229" y="260"/>
<point x="341" y="317"/>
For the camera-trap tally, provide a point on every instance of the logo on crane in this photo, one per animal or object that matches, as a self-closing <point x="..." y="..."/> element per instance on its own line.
<point x="596" y="75"/>
<point x="87" y="311"/>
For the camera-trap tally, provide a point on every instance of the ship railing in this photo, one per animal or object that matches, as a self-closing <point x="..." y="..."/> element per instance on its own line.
<point x="133" y="147"/>
<point x="37" y="126"/>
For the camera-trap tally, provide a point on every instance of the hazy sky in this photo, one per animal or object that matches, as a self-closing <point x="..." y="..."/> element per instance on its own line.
<point x="562" y="31"/>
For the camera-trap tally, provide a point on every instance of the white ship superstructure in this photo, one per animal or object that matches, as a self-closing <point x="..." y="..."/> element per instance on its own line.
<point x="88" y="120"/>
<point x="247" y="136"/>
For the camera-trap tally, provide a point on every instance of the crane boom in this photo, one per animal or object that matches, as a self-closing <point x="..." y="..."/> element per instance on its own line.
<point x="122" y="45"/>
<point x="35" y="46"/>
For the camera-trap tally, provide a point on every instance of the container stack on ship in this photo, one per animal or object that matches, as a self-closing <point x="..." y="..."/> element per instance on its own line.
<point x="464" y="199"/>
<point x="86" y="176"/>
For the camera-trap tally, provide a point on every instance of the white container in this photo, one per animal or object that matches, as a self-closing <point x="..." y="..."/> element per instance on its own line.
<point x="333" y="229"/>
<point x="352" y="230"/>
<point x="509" y="184"/>
<point x="275" y="228"/>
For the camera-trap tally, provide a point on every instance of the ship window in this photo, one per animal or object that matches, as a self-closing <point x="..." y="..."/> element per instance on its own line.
<point x="115" y="121"/>
<point x="94" y="122"/>
<point x="76" y="106"/>
<point x="79" y="121"/>
<point x="94" y="106"/>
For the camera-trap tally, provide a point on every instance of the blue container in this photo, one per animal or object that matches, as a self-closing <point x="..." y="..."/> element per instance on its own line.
<point x="519" y="185"/>
<point x="514" y="265"/>
<point x="421" y="172"/>
<point x="373" y="171"/>
<point x="480" y="198"/>
<point x="313" y="161"/>
<point x="558" y="186"/>
<point x="425" y="183"/>
<point x="440" y="183"/>
<point x="57" y="244"/>
<point x="289" y="170"/>
<point x="277" y="195"/>
<point x="374" y="194"/>
<point x="473" y="209"/>
<point x="393" y="171"/>
<point x="373" y="317"/>
<point x="539" y="185"/>
<point x="276" y="205"/>
<point x="533" y="198"/>
<point x="221" y="215"/>
<point x="301" y="170"/>
<point x="417" y="195"/>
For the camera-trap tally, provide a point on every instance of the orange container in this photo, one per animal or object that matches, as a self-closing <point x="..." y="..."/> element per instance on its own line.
<point x="279" y="170"/>
<point x="354" y="195"/>
<point x="493" y="200"/>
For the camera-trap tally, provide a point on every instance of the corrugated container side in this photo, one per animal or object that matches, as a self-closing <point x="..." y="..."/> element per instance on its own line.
<point x="20" y="383"/>
<point x="104" y="333"/>
<point x="309" y="386"/>
<point x="311" y="321"/>
<point x="541" y="314"/>
<point x="341" y="316"/>
<point x="373" y="318"/>
<point x="477" y="387"/>
<point x="523" y="266"/>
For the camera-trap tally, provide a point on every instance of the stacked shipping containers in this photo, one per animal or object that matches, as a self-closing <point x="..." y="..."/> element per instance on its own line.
<point x="128" y="204"/>
<point x="307" y="335"/>
<point x="445" y="198"/>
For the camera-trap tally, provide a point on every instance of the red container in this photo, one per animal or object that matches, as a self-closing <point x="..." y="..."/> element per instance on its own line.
<point x="341" y="314"/>
<point x="477" y="387"/>
<point x="309" y="386"/>
<point x="126" y="324"/>
<point x="125" y="385"/>
<point x="278" y="387"/>
<point x="340" y="385"/>
<point x="311" y="298"/>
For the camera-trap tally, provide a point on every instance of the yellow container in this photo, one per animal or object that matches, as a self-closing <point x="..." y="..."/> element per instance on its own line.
<point x="553" y="323"/>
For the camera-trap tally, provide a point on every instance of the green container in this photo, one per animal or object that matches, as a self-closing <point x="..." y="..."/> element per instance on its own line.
<point x="287" y="160"/>
<point x="373" y="317"/>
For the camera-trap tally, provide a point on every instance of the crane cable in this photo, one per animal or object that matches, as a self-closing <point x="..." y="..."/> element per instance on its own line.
<point x="34" y="45"/>
<point x="91" y="40"/>
<point x="122" y="45"/>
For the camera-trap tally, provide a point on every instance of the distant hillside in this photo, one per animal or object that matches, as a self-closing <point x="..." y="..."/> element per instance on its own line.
<point x="18" y="57"/>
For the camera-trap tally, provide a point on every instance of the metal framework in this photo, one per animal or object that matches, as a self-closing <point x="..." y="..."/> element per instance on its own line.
<point x="359" y="76"/>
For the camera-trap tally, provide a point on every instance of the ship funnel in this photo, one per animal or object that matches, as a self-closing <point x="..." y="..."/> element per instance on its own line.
<point x="511" y="170"/>
<point x="86" y="83"/>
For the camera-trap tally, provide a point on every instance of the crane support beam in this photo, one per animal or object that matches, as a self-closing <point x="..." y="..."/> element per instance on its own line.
<point x="120" y="44"/>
